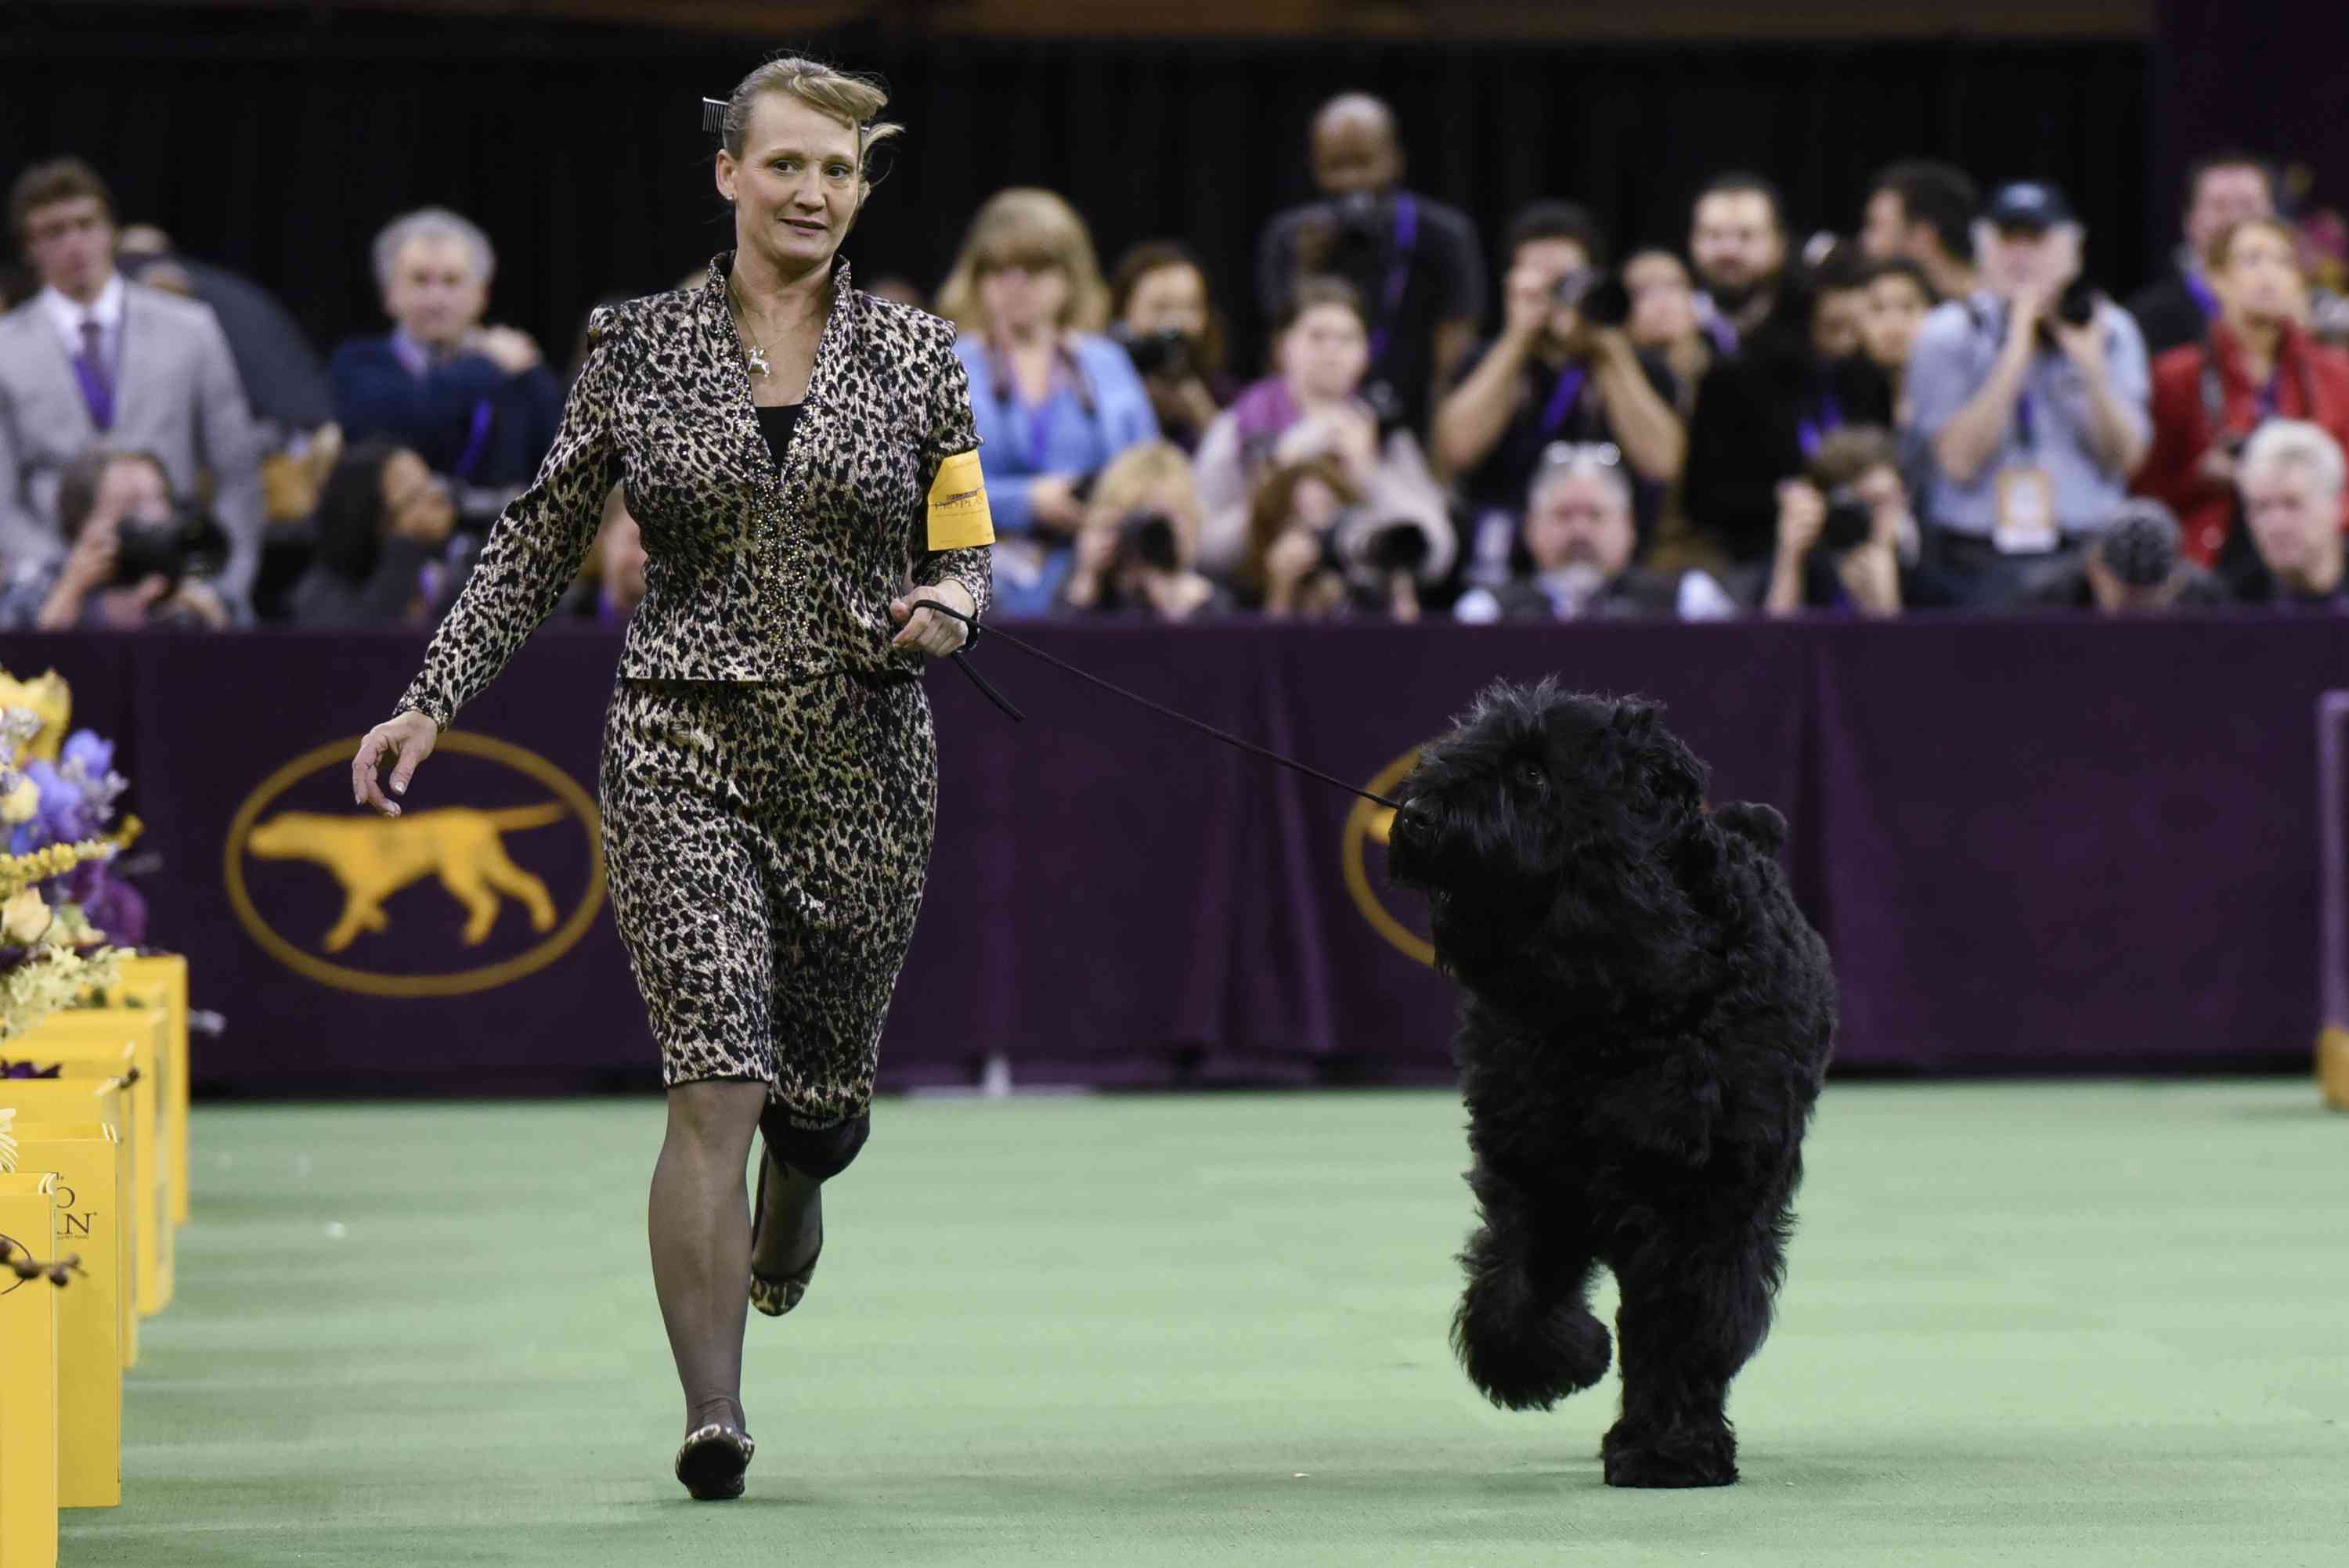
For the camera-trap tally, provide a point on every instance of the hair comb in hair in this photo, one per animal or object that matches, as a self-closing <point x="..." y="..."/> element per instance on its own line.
<point x="713" y="116"/>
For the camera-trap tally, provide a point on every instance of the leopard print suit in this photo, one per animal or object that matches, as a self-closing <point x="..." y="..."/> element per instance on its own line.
<point x="769" y="776"/>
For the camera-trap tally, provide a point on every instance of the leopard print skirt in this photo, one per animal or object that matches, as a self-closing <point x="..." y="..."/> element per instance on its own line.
<point x="766" y="845"/>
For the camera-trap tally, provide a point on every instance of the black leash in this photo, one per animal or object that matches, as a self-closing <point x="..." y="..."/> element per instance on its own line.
<point x="999" y="700"/>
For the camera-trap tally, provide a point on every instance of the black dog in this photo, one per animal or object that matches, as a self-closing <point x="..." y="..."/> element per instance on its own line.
<point x="1648" y="1020"/>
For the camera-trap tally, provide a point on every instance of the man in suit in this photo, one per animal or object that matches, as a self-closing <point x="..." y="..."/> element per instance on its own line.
<point x="94" y="358"/>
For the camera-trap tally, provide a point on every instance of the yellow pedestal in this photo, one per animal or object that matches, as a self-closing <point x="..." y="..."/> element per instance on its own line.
<point x="107" y="1102"/>
<point x="87" y="1161"/>
<point x="164" y="978"/>
<point x="28" y="1381"/>
<point x="89" y="1043"/>
<point x="2332" y="1067"/>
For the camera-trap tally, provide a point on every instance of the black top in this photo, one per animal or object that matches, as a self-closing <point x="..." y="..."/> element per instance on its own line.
<point x="777" y="423"/>
<point x="1558" y="405"/>
<point x="2168" y="315"/>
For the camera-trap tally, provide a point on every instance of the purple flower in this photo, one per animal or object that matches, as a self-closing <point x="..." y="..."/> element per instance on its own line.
<point x="85" y="753"/>
<point x="118" y="910"/>
<point x="64" y="815"/>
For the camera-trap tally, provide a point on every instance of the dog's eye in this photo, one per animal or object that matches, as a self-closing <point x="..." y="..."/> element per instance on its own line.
<point x="1528" y="772"/>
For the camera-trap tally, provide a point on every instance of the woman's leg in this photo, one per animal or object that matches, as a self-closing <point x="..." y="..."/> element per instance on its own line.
<point x="701" y="1241"/>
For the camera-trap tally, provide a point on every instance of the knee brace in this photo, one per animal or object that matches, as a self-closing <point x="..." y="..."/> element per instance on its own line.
<point x="821" y="1152"/>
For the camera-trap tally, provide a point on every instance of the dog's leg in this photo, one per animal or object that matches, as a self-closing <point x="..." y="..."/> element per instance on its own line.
<point x="1525" y="1332"/>
<point x="1692" y="1312"/>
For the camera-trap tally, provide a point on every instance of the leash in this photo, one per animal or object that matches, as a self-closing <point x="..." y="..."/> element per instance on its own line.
<point x="999" y="700"/>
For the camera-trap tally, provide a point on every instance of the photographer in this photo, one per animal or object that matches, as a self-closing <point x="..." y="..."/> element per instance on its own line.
<point x="132" y="559"/>
<point x="384" y="554"/>
<point x="2134" y="566"/>
<point x="1414" y="263"/>
<point x="1160" y="310"/>
<point x="2032" y="395"/>
<point x="1846" y="539"/>
<point x="1134" y="556"/>
<point x="1562" y="369"/>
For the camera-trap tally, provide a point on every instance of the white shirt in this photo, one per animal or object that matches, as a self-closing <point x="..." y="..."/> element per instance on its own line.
<point x="106" y="312"/>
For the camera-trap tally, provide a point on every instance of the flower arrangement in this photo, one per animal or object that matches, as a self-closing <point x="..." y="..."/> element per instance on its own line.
<point x="61" y="913"/>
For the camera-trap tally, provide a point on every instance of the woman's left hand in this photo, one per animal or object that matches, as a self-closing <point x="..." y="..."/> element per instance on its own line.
<point x="937" y="635"/>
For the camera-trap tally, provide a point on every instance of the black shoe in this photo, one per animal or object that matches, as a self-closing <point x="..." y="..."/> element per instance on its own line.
<point x="776" y="1295"/>
<point x="712" y="1461"/>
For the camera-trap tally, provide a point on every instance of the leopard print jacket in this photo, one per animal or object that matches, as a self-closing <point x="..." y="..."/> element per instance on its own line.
<point x="751" y="574"/>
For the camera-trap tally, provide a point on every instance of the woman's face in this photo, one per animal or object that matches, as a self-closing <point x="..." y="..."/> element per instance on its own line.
<point x="1169" y="299"/>
<point x="130" y="490"/>
<point x="2261" y="280"/>
<point x="1023" y="293"/>
<point x="797" y="185"/>
<point x="1663" y="305"/>
<point x="1325" y="353"/>
<point x="1895" y="308"/>
<point x="415" y="500"/>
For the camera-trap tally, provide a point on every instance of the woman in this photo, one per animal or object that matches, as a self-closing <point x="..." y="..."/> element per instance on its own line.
<point x="1141" y="533"/>
<point x="382" y="525"/>
<point x="1313" y="407"/>
<point x="101" y="494"/>
<point x="1158" y="301"/>
<point x="2258" y="363"/>
<point x="769" y="777"/>
<point x="1055" y="399"/>
<point x="1664" y="320"/>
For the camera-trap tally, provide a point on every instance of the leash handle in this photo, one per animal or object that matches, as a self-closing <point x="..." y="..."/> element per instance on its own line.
<point x="1228" y="739"/>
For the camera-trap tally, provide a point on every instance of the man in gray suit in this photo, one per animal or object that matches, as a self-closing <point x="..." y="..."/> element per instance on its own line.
<point x="93" y="358"/>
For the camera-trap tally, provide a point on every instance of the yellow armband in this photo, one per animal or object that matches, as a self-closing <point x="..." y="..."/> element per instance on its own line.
<point x="959" y="516"/>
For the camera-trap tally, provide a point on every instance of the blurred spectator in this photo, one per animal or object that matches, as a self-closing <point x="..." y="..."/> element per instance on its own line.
<point x="1160" y="310"/>
<point x="285" y="381"/>
<point x="2031" y="394"/>
<point x="1553" y="375"/>
<point x="1291" y="566"/>
<point x="2134" y="566"/>
<point x="1314" y="407"/>
<point x="1896" y="298"/>
<point x="385" y="555"/>
<point x="1847" y="537"/>
<point x="620" y="562"/>
<point x="1580" y="539"/>
<point x="2256" y="362"/>
<point x="116" y="513"/>
<point x="1737" y="240"/>
<point x="1664" y="321"/>
<point x="477" y="403"/>
<point x="1056" y="401"/>
<point x="1141" y="533"/>
<point x="1414" y="263"/>
<point x="1923" y="213"/>
<point x="66" y="385"/>
<point x="2293" y="484"/>
<point x="2222" y="191"/>
<point x="1762" y="413"/>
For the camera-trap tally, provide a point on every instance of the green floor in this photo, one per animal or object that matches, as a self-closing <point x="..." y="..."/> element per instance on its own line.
<point x="2039" y="1326"/>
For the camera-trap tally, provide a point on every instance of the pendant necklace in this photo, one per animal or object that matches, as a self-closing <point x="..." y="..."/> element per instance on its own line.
<point x="755" y="351"/>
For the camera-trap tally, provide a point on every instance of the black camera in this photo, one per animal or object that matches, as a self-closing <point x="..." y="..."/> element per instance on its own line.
<point x="1598" y="297"/>
<point x="1149" y="537"/>
<point x="2076" y="306"/>
<point x="1162" y="353"/>
<point x="1383" y="550"/>
<point x="190" y="543"/>
<point x="1848" y="522"/>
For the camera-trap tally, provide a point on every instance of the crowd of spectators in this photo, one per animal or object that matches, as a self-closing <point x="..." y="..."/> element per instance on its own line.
<point x="1943" y="411"/>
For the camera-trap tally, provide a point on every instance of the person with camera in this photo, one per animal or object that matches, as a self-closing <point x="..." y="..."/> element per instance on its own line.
<point x="1134" y="556"/>
<point x="1296" y="564"/>
<point x="2030" y="395"/>
<point x="2136" y="566"/>
<point x="1414" y="263"/>
<point x="1161" y="311"/>
<point x="1562" y="369"/>
<point x="1314" y="407"/>
<point x="2257" y="363"/>
<point x="132" y="558"/>
<point x="1056" y="398"/>
<point x="477" y="402"/>
<point x="1580" y="541"/>
<point x="385" y="556"/>
<point x="1847" y="537"/>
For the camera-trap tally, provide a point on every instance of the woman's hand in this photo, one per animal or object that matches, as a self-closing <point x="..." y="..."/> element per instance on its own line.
<point x="407" y="740"/>
<point x="203" y="602"/>
<point x="926" y="632"/>
<point x="1052" y="501"/>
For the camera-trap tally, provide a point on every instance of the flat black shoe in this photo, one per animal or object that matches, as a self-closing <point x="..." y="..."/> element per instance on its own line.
<point x="712" y="1461"/>
<point x="776" y="1295"/>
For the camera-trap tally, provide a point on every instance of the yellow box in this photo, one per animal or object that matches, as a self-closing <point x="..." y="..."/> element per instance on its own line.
<point x="88" y="1042"/>
<point x="163" y="977"/>
<point x="107" y="1102"/>
<point x="86" y="1159"/>
<point x="28" y="1379"/>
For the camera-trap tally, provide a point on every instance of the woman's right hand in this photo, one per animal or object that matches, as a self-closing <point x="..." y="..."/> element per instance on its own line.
<point x="406" y="740"/>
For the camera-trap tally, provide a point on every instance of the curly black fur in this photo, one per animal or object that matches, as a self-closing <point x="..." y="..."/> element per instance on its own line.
<point x="1648" y="1019"/>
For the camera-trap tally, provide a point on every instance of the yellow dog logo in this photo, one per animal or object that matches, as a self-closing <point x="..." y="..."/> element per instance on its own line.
<point x="375" y="857"/>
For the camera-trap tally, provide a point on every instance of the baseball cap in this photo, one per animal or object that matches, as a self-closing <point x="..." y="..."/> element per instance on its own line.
<point x="2027" y="204"/>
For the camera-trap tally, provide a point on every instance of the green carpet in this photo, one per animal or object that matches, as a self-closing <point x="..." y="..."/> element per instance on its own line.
<point x="2042" y="1326"/>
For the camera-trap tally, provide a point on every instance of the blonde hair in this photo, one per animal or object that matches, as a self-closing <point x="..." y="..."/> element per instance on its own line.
<point x="1135" y="474"/>
<point x="852" y="101"/>
<point x="1028" y="224"/>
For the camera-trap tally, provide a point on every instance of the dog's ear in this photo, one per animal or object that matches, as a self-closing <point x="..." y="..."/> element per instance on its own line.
<point x="1634" y="718"/>
<point x="1676" y="773"/>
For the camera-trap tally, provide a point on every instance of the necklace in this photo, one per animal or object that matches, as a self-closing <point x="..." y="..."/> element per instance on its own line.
<point x="756" y="351"/>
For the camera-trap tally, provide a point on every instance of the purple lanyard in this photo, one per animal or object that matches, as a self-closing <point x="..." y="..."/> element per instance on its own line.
<point x="1406" y="236"/>
<point x="476" y="443"/>
<point x="1562" y="400"/>
<point x="1035" y="429"/>
<point x="2203" y="297"/>
<point x="1818" y="427"/>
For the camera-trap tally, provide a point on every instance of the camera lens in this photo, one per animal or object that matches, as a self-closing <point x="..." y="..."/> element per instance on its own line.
<point x="1398" y="547"/>
<point x="1150" y="535"/>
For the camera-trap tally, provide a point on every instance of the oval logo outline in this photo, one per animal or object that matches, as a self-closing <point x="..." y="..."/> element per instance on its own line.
<point x="1363" y="824"/>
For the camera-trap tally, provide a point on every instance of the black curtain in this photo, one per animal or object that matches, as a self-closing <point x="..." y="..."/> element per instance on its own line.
<point x="279" y="147"/>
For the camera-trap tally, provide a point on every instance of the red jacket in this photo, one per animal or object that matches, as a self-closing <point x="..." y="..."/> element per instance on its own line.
<point x="2312" y="383"/>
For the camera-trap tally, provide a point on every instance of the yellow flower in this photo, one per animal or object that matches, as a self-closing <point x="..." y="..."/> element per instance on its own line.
<point x="24" y="919"/>
<point x="20" y="804"/>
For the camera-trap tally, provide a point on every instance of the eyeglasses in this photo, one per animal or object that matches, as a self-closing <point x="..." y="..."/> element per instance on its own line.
<point x="1581" y="454"/>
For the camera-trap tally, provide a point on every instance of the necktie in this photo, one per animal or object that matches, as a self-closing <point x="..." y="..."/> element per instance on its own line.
<point x="89" y="369"/>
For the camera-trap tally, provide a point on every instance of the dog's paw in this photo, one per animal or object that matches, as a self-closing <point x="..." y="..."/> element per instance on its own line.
<point x="1685" y="1456"/>
<point x="1525" y="1356"/>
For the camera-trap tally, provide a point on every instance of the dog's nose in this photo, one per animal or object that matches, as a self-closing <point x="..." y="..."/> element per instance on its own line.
<point x="1414" y="817"/>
